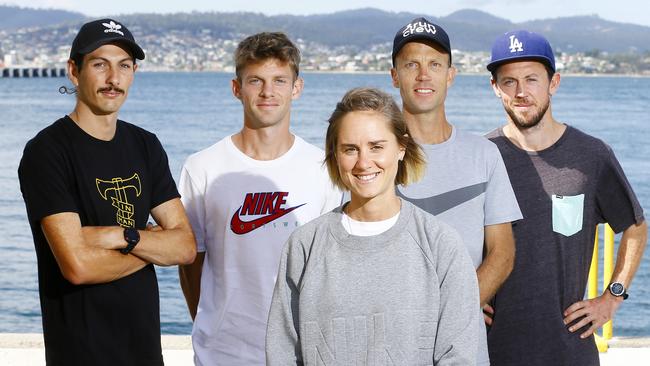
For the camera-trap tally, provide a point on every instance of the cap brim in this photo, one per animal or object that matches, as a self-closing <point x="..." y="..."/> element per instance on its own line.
<point x="493" y="65"/>
<point x="135" y="49"/>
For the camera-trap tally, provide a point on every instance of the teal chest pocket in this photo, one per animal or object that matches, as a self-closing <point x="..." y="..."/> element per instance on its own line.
<point x="567" y="213"/>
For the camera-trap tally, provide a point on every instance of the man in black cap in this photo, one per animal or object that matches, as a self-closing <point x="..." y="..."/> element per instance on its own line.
<point x="465" y="184"/>
<point x="90" y="182"/>
<point x="566" y="182"/>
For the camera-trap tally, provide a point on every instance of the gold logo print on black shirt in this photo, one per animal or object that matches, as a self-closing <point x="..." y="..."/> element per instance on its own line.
<point x="119" y="188"/>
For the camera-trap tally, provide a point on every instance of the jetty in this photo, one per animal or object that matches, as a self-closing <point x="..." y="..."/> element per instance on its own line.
<point x="18" y="71"/>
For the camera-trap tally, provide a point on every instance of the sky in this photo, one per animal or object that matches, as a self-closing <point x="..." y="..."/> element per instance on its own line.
<point x="630" y="11"/>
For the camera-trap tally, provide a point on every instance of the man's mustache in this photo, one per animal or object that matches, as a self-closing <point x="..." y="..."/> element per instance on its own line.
<point x="109" y="89"/>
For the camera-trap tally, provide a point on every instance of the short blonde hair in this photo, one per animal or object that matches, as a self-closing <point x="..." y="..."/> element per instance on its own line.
<point x="410" y="169"/>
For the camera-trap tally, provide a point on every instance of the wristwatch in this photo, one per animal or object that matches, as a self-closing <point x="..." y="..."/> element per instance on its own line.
<point x="132" y="237"/>
<point x="617" y="289"/>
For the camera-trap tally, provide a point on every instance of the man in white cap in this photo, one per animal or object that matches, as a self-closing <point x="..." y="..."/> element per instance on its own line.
<point x="566" y="183"/>
<point x="90" y="182"/>
<point x="465" y="184"/>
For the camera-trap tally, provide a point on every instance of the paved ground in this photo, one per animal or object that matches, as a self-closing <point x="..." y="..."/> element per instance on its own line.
<point x="27" y="350"/>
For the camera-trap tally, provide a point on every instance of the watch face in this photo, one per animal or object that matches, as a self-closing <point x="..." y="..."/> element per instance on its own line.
<point x="617" y="289"/>
<point x="131" y="235"/>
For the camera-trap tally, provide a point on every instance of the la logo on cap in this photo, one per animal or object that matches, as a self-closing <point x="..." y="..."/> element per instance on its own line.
<point x="515" y="45"/>
<point x="113" y="27"/>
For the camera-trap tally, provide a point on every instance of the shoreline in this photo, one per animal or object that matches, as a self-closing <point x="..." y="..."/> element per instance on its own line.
<point x="344" y="72"/>
<point x="387" y="72"/>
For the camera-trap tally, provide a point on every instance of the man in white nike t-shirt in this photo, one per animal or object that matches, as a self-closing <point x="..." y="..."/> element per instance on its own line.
<point x="244" y="195"/>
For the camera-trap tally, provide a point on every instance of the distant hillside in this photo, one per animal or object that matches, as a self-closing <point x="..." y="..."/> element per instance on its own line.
<point x="469" y="30"/>
<point x="586" y="33"/>
<point x="13" y="17"/>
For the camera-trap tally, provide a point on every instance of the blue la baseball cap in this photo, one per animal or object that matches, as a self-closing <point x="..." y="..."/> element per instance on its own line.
<point x="521" y="44"/>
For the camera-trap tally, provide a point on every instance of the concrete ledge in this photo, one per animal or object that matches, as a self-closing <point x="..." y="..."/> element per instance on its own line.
<point x="26" y="349"/>
<point x="629" y="342"/>
<point x="21" y="340"/>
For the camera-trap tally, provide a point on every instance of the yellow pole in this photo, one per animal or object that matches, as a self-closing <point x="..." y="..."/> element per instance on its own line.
<point x="608" y="270"/>
<point x="592" y="288"/>
<point x="592" y="291"/>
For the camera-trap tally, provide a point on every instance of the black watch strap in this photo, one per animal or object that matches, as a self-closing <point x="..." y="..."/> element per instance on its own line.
<point x="132" y="238"/>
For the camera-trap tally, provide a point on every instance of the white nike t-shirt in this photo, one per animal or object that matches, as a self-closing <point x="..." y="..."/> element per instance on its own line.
<point x="242" y="211"/>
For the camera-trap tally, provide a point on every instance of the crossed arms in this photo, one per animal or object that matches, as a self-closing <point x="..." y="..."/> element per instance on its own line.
<point x="90" y="254"/>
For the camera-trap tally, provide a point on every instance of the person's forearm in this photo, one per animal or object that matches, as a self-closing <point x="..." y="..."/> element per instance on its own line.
<point x="630" y="252"/>
<point x="162" y="247"/>
<point x="593" y="313"/>
<point x="167" y="247"/>
<point x="491" y="275"/>
<point x="498" y="261"/>
<point x="98" y="265"/>
<point x="79" y="260"/>
<point x="190" y="278"/>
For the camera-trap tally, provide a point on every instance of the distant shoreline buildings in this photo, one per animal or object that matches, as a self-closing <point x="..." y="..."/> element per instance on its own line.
<point x="187" y="51"/>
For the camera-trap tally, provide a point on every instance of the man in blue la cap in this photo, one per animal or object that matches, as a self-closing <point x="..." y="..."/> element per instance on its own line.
<point x="465" y="184"/>
<point x="90" y="182"/>
<point x="566" y="183"/>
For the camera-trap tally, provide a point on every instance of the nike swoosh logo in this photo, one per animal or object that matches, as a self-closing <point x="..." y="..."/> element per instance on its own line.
<point x="243" y="227"/>
<point x="438" y="204"/>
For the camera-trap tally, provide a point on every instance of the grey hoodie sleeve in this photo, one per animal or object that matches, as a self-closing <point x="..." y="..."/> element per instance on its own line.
<point x="457" y="340"/>
<point x="282" y="332"/>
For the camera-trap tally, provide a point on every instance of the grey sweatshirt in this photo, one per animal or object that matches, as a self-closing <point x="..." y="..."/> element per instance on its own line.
<point x="408" y="296"/>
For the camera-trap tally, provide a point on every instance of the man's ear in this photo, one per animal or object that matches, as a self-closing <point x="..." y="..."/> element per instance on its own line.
<point x="394" y="77"/>
<point x="495" y="88"/>
<point x="73" y="72"/>
<point x="298" y="86"/>
<point x="555" y="84"/>
<point x="235" y="86"/>
<point x="451" y="75"/>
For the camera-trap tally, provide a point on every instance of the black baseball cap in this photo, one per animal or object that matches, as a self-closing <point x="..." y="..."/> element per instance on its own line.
<point x="97" y="33"/>
<point x="420" y="29"/>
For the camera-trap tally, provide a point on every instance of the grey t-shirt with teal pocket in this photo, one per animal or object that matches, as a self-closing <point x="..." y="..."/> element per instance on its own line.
<point x="563" y="191"/>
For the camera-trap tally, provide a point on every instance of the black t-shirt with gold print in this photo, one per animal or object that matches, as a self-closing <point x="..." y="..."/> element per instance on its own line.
<point x="108" y="183"/>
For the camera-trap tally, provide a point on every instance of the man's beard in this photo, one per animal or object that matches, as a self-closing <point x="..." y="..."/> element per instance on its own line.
<point x="524" y="123"/>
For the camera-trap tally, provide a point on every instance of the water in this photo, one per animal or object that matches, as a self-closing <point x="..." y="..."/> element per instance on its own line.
<point x="190" y="111"/>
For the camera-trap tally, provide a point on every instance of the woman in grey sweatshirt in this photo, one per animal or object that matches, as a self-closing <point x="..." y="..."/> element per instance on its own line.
<point x="376" y="281"/>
